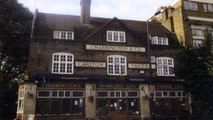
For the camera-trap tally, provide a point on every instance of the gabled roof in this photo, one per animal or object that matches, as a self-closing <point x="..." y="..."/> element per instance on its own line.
<point x="50" y="22"/>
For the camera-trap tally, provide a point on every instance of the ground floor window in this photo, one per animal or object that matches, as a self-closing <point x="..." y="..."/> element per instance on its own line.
<point x="60" y="102"/>
<point x="169" y="103"/>
<point x="117" y="101"/>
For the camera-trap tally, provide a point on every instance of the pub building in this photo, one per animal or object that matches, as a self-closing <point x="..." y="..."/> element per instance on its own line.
<point x="83" y="67"/>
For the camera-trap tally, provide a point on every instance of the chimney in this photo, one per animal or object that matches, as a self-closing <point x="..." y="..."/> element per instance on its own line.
<point x="85" y="11"/>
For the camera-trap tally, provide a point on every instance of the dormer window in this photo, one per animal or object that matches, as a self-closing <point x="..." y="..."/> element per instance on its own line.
<point x="160" y="40"/>
<point x="66" y="35"/>
<point x="116" y="36"/>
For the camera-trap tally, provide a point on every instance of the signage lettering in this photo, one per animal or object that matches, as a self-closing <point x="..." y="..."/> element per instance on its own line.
<point x="138" y="66"/>
<point x="90" y="64"/>
<point x="62" y="85"/>
<point x="115" y="48"/>
<point x="117" y="86"/>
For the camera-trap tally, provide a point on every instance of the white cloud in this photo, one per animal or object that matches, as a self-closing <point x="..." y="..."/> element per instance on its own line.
<point x="122" y="9"/>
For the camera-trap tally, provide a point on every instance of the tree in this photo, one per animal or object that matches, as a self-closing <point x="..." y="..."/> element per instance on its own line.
<point x="15" y="22"/>
<point x="195" y="66"/>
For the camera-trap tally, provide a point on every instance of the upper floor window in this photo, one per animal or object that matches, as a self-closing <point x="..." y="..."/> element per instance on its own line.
<point x="152" y="59"/>
<point x="68" y="35"/>
<point x="116" y="36"/>
<point x="197" y="43"/>
<point x="21" y="100"/>
<point x="165" y="66"/>
<point x="62" y="63"/>
<point x="190" y="6"/>
<point x="208" y="7"/>
<point x="197" y="32"/>
<point x="116" y="65"/>
<point x="160" y="40"/>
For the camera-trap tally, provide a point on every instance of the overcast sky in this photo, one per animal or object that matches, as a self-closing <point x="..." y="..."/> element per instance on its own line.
<point x="122" y="9"/>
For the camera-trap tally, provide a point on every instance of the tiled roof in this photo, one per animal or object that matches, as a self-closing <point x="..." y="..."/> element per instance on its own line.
<point x="49" y="22"/>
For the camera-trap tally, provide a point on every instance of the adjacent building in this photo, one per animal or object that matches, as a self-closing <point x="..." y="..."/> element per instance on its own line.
<point x="83" y="67"/>
<point x="189" y="19"/>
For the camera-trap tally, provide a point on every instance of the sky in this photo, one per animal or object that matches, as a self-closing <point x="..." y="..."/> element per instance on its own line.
<point x="122" y="9"/>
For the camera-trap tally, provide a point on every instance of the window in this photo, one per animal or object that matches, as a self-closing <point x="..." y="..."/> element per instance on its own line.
<point x="43" y="94"/>
<point x="169" y="94"/>
<point x="20" y="104"/>
<point x="133" y="94"/>
<point x="197" y="43"/>
<point x="152" y="59"/>
<point x="190" y="6"/>
<point x="65" y="102"/>
<point x="116" y="65"/>
<point x="165" y="66"/>
<point x="117" y="100"/>
<point x="78" y="94"/>
<point x="160" y="40"/>
<point x="68" y="35"/>
<point x="102" y="94"/>
<point x="197" y="32"/>
<point x="61" y="94"/>
<point x="208" y="7"/>
<point x="21" y="100"/>
<point x="116" y="36"/>
<point x="174" y="102"/>
<point x="62" y="63"/>
<point x="117" y="94"/>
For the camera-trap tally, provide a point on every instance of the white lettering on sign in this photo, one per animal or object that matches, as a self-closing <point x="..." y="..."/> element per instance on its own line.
<point x="115" y="48"/>
<point x="138" y="66"/>
<point x="90" y="64"/>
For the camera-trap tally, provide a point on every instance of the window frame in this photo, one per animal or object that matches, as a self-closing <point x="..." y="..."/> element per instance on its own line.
<point x="99" y="91"/>
<point x="113" y="64"/>
<point x="207" y="9"/>
<point x="58" y="64"/>
<point x="64" y="35"/>
<point x="197" y="43"/>
<point x="50" y="94"/>
<point x="78" y="96"/>
<point x="164" y="66"/>
<point x="182" y="94"/>
<point x="128" y="96"/>
<point x="198" y="32"/>
<point x="155" y="40"/>
<point x="116" y="36"/>
<point x="20" y="105"/>
<point x="188" y="5"/>
<point x="152" y="59"/>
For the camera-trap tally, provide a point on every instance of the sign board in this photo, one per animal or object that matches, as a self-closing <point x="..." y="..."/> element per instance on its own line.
<point x="115" y="48"/>
<point x="55" y="85"/>
<point x="138" y="66"/>
<point x="90" y="64"/>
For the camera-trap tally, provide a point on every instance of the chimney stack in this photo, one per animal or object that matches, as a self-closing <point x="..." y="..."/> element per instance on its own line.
<point x="85" y="11"/>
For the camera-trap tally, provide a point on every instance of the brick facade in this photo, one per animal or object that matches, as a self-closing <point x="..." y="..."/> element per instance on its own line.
<point x="109" y="79"/>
